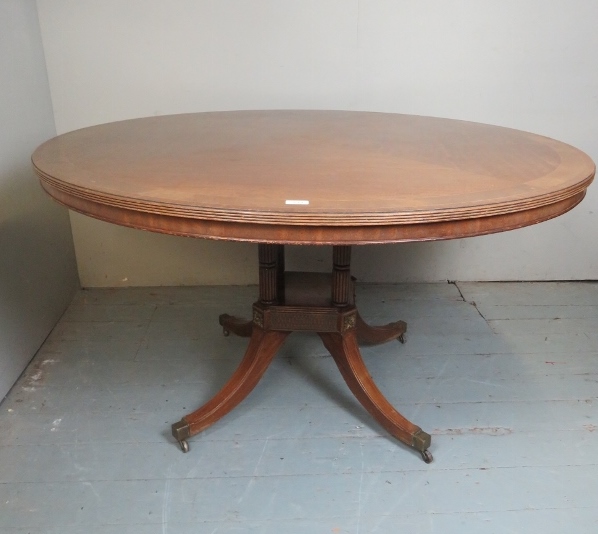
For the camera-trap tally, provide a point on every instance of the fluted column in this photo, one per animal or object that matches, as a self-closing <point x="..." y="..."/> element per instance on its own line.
<point x="280" y="273"/>
<point x="269" y="274"/>
<point x="341" y="275"/>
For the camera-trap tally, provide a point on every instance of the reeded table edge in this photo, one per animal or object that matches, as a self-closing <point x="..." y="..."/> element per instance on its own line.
<point x="246" y="229"/>
<point x="357" y="224"/>
<point x="328" y="218"/>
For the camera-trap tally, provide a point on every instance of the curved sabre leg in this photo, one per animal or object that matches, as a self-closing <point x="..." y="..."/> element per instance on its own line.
<point x="239" y="327"/>
<point x="374" y="335"/>
<point x="345" y="351"/>
<point x="260" y="352"/>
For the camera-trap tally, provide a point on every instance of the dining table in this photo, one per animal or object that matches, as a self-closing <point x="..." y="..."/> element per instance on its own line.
<point x="309" y="177"/>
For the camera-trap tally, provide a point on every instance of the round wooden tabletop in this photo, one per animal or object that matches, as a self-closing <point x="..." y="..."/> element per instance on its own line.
<point x="313" y="177"/>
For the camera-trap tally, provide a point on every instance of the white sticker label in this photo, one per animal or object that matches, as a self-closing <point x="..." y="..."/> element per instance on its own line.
<point x="297" y="202"/>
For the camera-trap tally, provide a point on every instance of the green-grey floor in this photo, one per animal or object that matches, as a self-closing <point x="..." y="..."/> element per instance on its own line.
<point x="504" y="376"/>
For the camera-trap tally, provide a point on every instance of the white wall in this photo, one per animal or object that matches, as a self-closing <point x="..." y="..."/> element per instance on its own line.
<point x="37" y="263"/>
<point x="529" y="65"/>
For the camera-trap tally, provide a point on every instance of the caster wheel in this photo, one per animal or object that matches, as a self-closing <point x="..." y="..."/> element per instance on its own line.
<point x="225" y="332"/>
<point x="402" y="339"/>
<point x="427" y="456"/>
<point x="184" y="445"/>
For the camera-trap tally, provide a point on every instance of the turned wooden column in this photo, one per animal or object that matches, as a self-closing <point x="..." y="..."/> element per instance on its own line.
<point x="280" y="282"/>
<point x="271" y="278"/>
<point x="341" y="276"/>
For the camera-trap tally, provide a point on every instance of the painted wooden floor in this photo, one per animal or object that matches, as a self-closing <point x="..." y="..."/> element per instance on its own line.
<point x="504" y="376"/>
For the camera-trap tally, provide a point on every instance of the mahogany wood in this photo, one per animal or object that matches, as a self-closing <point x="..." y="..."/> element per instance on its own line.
<point x="368" y="177"/>
<point x="280" y="273"/>
<point x="262" y="348"/>
<point x="323" y="235"/>
<point x="239" y="327"/>
<point x="345" y="351"/>
<point x="375" y="335"/>
<point x="338" y="323"/>
<point x="309" y="289"/>
<point x="311" y="177"/>
<point x="341" y="276"/>
<point x="269" y="273"/>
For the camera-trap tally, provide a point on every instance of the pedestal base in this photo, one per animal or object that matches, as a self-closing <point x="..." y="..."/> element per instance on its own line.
<point x="338" y="324"/>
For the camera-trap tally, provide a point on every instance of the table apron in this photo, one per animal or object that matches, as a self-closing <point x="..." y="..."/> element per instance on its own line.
<point x="313" y="235"/>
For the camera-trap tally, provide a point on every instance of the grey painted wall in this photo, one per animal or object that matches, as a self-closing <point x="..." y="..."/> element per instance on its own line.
<point x="37" y="264"/>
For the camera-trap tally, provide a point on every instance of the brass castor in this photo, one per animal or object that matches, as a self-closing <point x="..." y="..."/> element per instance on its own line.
<point x="427" y="456"/>
<point x="184" y="445"/>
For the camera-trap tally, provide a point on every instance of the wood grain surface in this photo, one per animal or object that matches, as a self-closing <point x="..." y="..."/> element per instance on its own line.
<point x="350" y="177"/>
